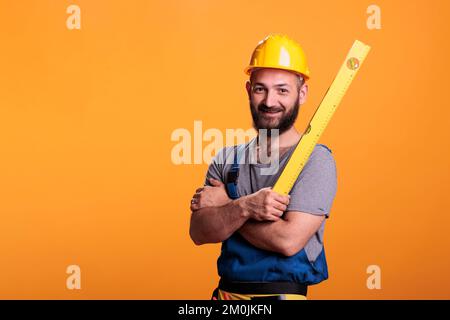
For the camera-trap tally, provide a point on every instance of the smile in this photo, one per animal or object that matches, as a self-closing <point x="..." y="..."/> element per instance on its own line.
<point x="270" y="113"/>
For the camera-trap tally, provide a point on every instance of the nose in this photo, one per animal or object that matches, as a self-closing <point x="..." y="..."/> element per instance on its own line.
<point x="271" y="98"/>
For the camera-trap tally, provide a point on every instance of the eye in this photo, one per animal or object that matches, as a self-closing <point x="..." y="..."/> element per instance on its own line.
<point x="258" y="89"/>
<point x="284" y="91"/>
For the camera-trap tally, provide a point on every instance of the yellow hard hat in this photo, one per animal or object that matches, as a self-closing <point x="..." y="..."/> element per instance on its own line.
<point x="279" y="52"/>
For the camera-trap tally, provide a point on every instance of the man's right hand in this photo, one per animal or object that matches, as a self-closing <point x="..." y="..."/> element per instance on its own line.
<point x="265" y="205"/>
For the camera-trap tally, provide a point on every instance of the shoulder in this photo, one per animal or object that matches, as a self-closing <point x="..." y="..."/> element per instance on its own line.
<point x="226" y="154"/>
<point x="323" y="147"/>
<point x="321" y="159"/>
<point x="322" y="152"/>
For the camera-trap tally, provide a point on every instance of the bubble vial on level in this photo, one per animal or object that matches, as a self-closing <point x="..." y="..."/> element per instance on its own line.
<point x="353" y="63"/>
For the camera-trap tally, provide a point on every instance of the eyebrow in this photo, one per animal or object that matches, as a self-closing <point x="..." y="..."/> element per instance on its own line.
<point x="276" y="85"/>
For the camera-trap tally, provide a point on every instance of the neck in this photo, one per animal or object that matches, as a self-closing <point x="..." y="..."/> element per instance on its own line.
<point x="285" y="140"/>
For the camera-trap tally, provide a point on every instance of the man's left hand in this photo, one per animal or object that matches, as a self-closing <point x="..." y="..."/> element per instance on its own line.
<point x="210" y="196"/>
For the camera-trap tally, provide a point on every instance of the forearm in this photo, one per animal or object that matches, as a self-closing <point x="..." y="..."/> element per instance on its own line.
<point x="216" y="224"/>
<point x="286" y="236"/>
<point x="270" y="236"/>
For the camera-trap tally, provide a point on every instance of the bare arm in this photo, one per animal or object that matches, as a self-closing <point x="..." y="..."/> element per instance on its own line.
<point x="216" y="224"/>
<point x="215" y="217"/>
<point x="286" y="236"/>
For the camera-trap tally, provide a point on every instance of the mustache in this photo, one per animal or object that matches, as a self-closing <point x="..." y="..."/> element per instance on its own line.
<point x="263" y="107"/>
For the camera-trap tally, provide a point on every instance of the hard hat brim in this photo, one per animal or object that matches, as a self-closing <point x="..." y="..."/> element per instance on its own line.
<point x="249" y="70"/>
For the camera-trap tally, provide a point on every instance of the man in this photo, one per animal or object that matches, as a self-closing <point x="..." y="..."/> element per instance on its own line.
<point x="272" y="244"/>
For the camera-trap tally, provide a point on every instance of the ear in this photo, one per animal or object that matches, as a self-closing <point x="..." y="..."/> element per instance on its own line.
<point x="303" y="94"/>
<point x="248" y="87"/>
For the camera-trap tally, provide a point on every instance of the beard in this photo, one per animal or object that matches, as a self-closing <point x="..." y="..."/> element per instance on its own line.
<point x="283" y="122"/>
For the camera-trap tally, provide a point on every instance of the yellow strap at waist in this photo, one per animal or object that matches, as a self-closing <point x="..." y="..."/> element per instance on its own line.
<point x="224" y="295"/>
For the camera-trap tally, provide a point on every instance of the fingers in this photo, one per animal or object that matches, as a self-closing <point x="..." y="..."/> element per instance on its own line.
<point x="284" y="199"/>
<point x="215" y="182"/>
<point x="194" y="205"/>
<point x="271" y="211"/>
<point x="195" y="200"/>
<point x="272" y="218"/>
<point x="276" y="202"/>
<point x="269" y="193"/>
<point x="273" y="215"/>
<point x="199" y="191"/>
<point x="280" y="207"/>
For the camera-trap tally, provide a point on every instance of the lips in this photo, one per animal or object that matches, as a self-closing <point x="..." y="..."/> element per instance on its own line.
<point x="269" y="113"/>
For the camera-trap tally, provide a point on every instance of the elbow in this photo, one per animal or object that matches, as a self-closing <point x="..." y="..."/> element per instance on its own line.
<point x="197" y="241"/>
<point x="199" y="238"/>
<point x="195" y="237"/>
<point x="290" y="248"/>
<point x="201" y="233"/>
<point x="195" y="231"/>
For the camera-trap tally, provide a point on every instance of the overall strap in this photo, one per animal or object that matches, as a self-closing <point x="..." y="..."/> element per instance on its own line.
<point x="233" y="174"/>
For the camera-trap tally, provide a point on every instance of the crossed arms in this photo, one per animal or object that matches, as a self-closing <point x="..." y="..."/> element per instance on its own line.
<point x="258" y="217"/>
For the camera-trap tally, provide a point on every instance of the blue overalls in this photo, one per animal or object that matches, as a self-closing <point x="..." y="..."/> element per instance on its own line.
<point x="242" y="262"/>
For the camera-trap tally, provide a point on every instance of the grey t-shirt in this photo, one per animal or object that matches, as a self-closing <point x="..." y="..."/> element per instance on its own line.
<point x="313" y="192"/>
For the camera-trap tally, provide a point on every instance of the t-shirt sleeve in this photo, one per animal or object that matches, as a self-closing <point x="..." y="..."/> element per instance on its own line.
<point x="215" y="168"/>
<point x="315" y="189"/>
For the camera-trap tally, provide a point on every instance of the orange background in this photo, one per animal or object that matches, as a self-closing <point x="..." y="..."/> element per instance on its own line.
<point x="86" y="117"/>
